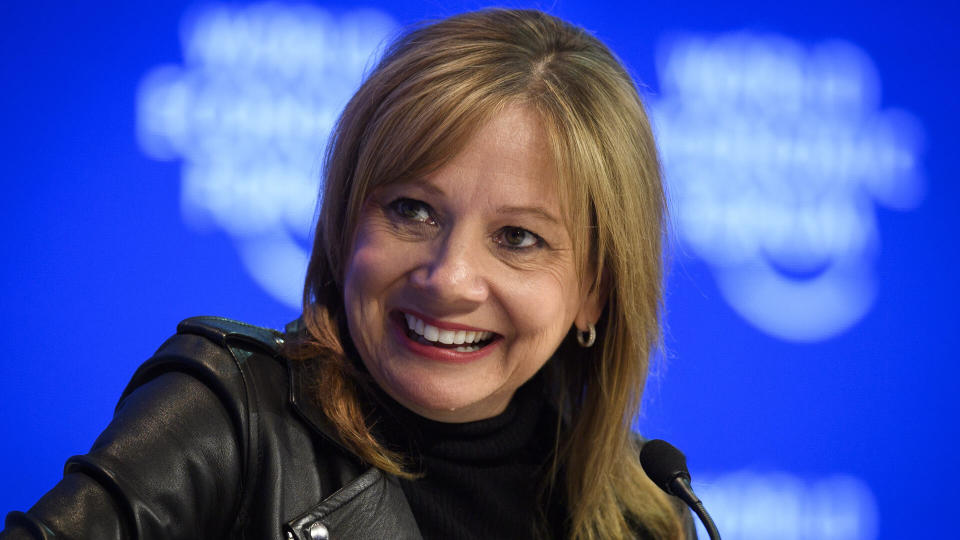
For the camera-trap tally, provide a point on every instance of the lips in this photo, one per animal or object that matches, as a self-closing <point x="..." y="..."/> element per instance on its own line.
<point x="445" y="337"/>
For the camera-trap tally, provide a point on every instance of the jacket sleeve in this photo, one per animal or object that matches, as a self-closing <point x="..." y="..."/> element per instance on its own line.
<point x="169" y="464"/>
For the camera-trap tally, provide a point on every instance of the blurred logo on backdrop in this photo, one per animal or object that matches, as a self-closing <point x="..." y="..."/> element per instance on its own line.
<point x="776" y="156"/>
<point x="754" y="505"/>
<point x="249" y="113"/>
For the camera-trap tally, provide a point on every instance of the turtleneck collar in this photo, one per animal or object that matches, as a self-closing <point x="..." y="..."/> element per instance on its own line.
<point x="512" y="434"/>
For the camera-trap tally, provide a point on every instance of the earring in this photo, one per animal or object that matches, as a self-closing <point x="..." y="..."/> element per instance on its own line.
<point x="587" y="337"/>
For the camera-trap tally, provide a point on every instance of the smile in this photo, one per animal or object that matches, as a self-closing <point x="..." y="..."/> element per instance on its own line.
<point x="459" y="340"/>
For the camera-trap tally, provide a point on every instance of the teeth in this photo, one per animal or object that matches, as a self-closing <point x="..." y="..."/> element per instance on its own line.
<point x="447" y="337"/>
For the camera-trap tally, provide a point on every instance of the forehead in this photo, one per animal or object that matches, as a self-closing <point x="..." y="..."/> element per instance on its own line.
<point x="507" y="159"/>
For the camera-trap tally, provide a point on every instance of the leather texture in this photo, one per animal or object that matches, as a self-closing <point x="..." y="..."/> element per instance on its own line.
<point x="214" y="438"/>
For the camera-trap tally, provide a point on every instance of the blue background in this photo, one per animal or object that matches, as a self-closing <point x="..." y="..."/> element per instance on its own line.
<point x="99" y="266"/>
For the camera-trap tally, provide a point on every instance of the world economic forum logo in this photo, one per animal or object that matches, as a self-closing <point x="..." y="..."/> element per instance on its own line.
<point x="776" y="155"/>
<point x="249" y="113"/>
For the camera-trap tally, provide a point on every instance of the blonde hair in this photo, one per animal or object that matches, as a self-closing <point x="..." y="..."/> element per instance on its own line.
<point x="427" y="95"/>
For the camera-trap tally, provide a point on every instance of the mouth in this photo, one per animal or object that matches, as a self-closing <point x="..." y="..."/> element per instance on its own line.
<point x="461" y="340"/>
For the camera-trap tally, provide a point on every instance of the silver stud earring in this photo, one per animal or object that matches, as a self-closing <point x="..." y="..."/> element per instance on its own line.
<point x="586" y="338"/>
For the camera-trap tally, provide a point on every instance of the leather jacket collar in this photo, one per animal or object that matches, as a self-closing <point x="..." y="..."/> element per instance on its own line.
<point x="370" y="505"/>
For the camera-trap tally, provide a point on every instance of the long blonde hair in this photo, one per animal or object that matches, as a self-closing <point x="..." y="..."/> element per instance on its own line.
<point x="432" y="88"/>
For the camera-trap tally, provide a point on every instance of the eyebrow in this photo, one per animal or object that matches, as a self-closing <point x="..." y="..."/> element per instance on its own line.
<point x="428" y="187"/>
<point x="535" y="211"/>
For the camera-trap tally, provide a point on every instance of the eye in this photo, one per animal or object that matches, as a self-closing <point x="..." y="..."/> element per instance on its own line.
<point x="517" y="238"/>
<point x="413" y="210"/>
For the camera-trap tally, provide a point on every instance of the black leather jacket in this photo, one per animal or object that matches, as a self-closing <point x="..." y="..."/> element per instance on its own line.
<point x="213" y="439"/>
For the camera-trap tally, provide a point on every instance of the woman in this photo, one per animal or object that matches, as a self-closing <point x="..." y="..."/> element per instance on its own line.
<point x="480" y="306"/>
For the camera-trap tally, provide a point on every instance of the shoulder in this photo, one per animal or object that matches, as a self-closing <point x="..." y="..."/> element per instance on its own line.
<point x="213" y="344"/>
<point x="180" y="453"/>
<point x="222" y="354"/>
<point x="244" y="366"/>
<point x="236" y="364"/>
<point x="230" y="332"/>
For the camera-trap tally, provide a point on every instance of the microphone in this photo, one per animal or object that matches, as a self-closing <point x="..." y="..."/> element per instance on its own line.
<point x="667" y="467"/>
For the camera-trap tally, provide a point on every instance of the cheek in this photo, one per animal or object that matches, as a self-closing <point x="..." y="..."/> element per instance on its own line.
<point x="361" y="270"/>
<point x="364" y="280"/>
<point x="370" y="263"/>
<point x="376" y="269"/>
<point x="366" y="286"/>
<point x="543" y="305"/>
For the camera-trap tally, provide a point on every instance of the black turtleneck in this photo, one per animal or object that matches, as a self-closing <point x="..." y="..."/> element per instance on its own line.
<point x="478" y="479"/>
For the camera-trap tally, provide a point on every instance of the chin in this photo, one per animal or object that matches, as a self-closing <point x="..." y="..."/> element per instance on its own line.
<point x="442" y="399"/>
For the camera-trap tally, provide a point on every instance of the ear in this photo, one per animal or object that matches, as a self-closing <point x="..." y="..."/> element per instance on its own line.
<point x="594" y="301"/>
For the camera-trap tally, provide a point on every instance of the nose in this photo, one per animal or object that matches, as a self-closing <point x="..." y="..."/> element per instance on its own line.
<point x="451" y="278"/>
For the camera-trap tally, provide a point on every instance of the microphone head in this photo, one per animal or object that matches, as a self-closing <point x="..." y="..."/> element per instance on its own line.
<point x="663" y="463"/>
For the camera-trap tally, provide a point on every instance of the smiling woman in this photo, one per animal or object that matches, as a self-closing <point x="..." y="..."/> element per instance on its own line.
<point x="480" y="307"/>
<point x="522" y="199"/>
<point x="463" y="249"/>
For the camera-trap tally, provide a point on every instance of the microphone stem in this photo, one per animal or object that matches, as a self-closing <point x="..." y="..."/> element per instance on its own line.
<point x="680" y="487"/>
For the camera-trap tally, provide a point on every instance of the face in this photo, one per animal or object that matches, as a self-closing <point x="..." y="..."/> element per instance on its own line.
<point x="462" y="284"/>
